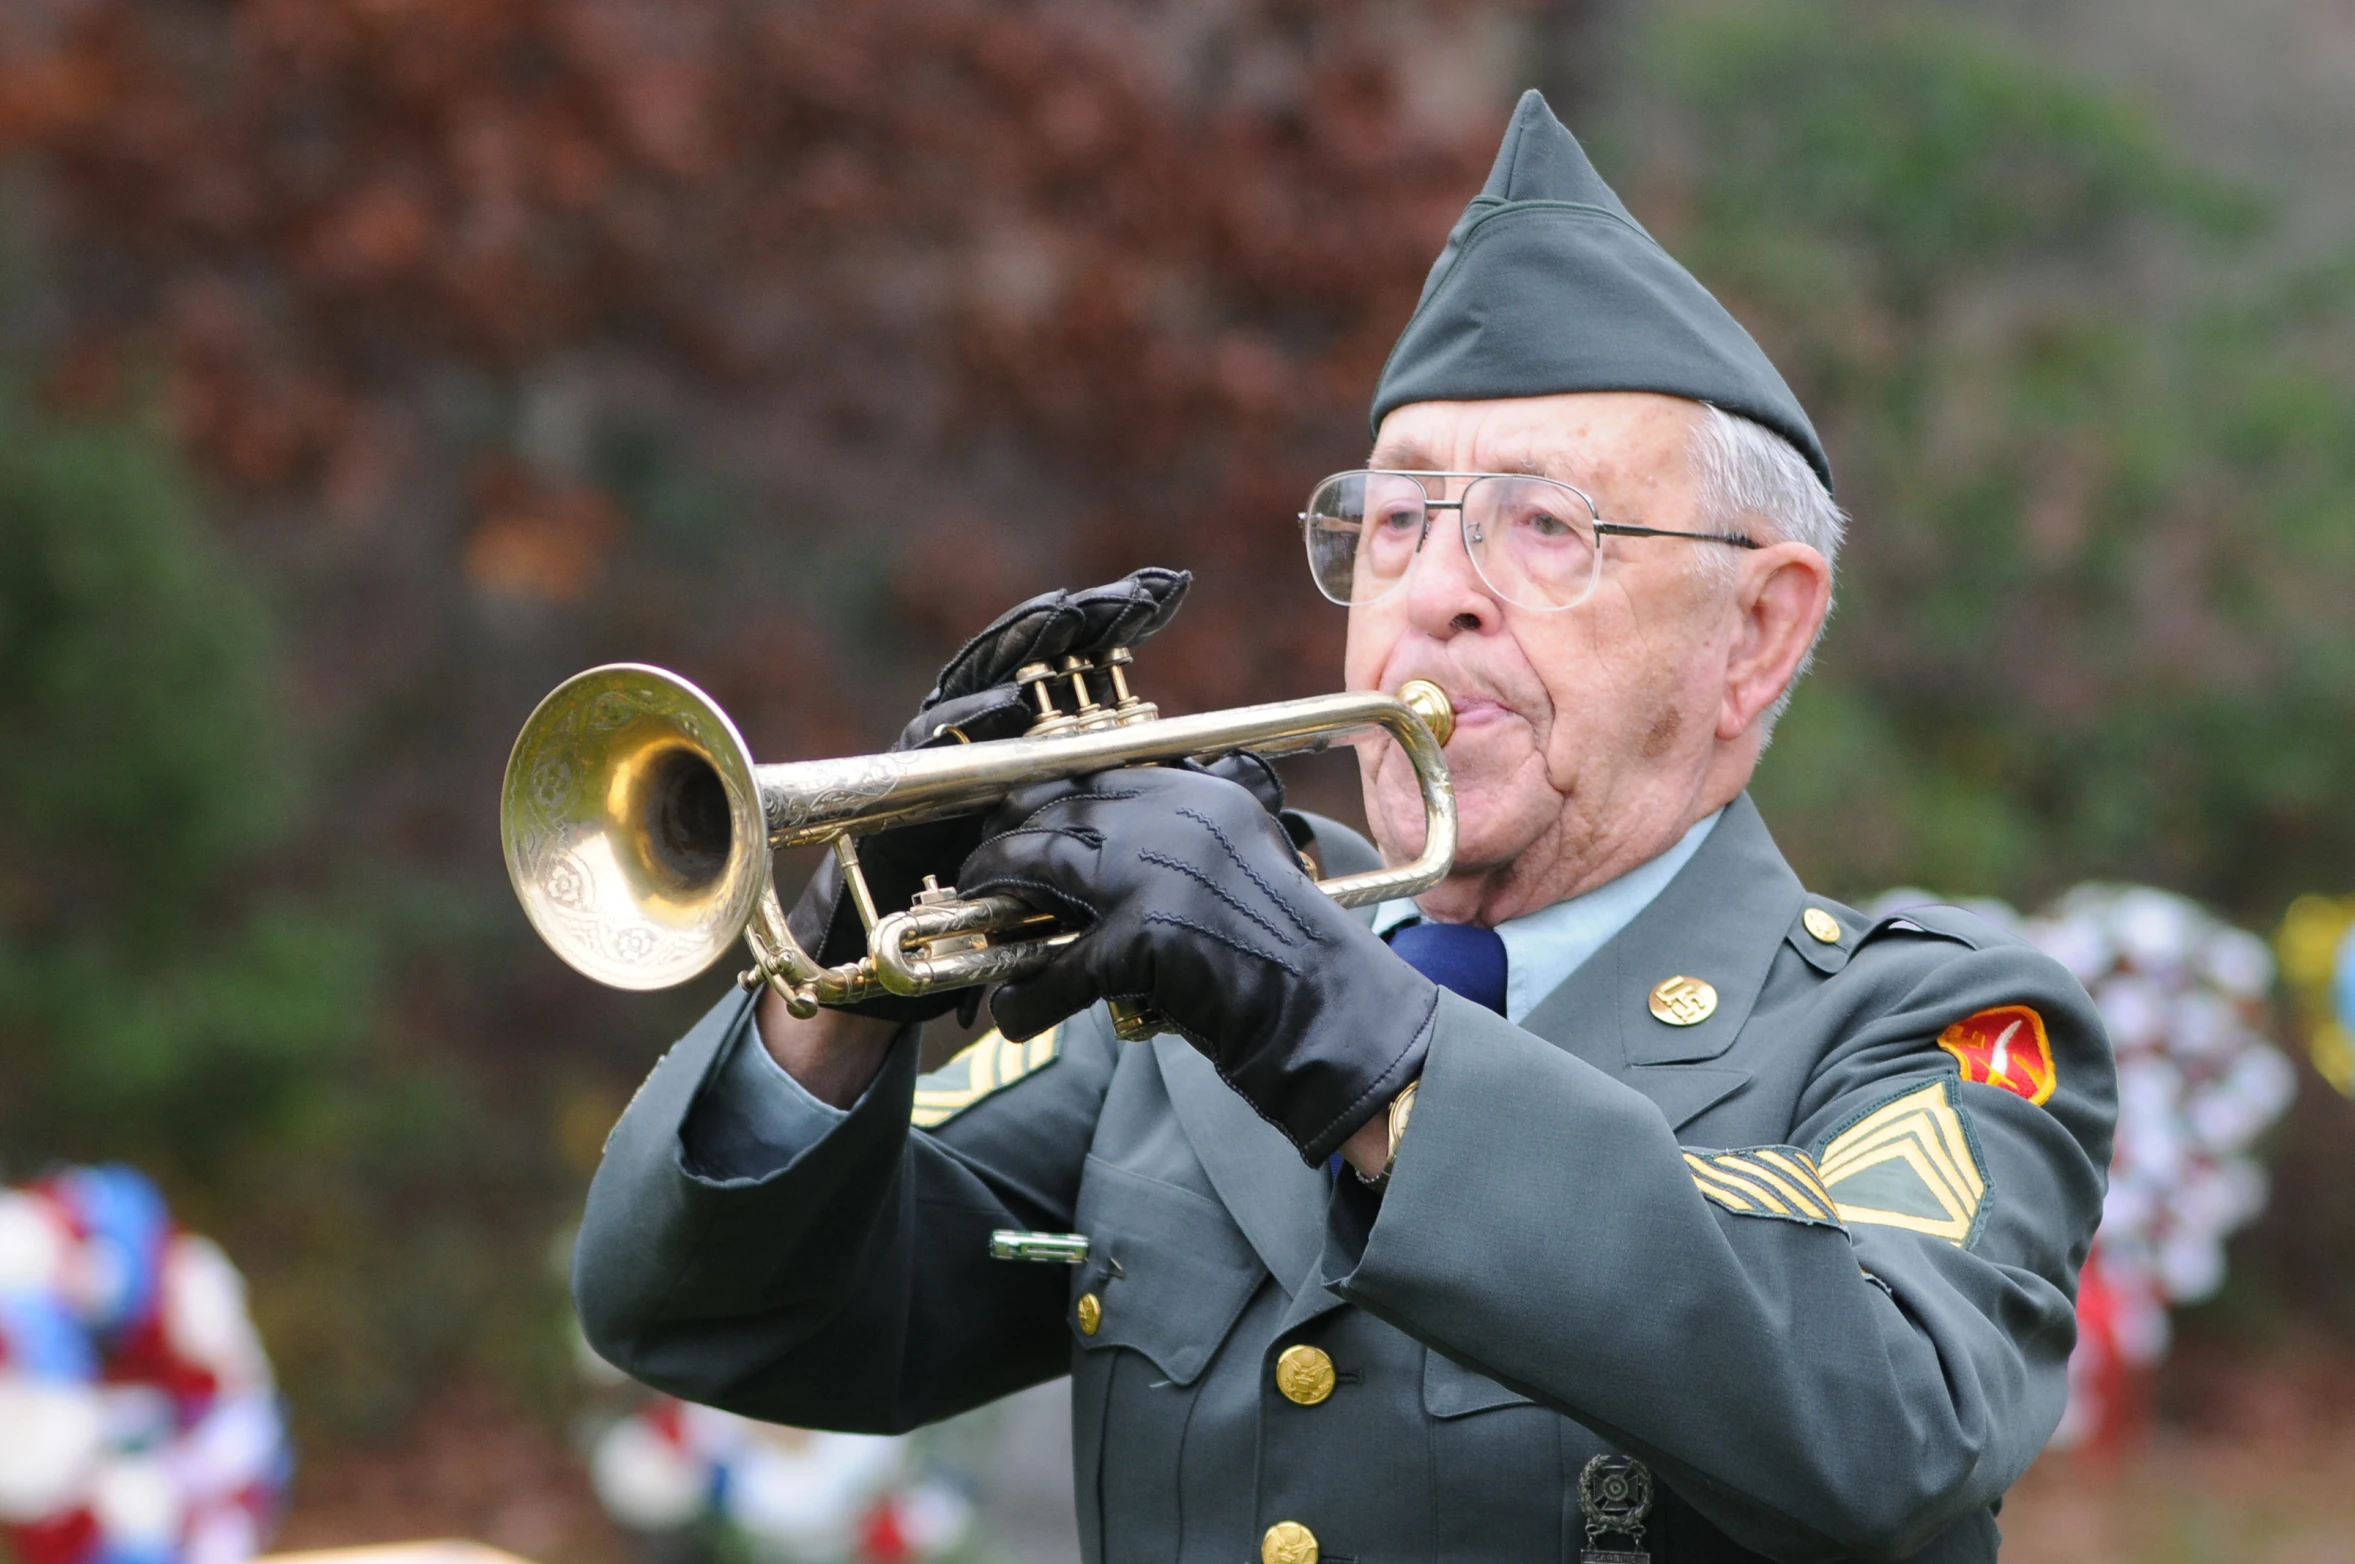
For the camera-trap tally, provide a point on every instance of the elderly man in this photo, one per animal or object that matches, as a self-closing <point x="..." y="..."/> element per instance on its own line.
<point x="1617" y="1200"/>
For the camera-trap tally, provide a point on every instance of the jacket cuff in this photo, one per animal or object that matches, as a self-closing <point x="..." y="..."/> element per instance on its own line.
<point x="751" y="1118"/>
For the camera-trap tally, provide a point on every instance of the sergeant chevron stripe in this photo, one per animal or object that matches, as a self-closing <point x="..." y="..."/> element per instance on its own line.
<point x="989" y="1064"/>
<point x="1776" y="1181"/>
<point x="1912" y="1163"/>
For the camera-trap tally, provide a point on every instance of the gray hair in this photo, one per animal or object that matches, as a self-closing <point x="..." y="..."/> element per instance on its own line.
<point x="1755" y="482"/>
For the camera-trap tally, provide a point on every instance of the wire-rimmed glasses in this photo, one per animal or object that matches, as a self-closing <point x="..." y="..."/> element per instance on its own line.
<point x="1534" y="541"/>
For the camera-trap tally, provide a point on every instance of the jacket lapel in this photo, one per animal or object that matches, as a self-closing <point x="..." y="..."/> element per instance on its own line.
<point x="1721" y="920"/>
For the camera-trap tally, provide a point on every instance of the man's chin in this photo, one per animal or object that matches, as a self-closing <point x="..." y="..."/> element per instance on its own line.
<point x="1485" y="846"/>
<point x="1495" y="825"/>
<point x="1485" y="840"/>
<point x="1477" y="860"/>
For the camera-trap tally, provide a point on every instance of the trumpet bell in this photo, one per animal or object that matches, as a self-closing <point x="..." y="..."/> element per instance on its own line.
<point x="633" y="827"/>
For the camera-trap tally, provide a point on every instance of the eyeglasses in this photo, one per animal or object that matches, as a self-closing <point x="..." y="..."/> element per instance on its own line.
<point x="1533" y="541"/>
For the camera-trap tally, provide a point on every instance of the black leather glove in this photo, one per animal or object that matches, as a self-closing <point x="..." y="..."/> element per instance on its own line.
<point x="1196" y="905"/>
<point x="978" y="699"/>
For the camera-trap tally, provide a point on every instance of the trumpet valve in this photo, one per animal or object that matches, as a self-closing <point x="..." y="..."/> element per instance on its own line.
<point x="932" y="895"/>
<point x="1127" y="709"/>
<point x="1038" y="678"/>
<point x="1091" y="717"/>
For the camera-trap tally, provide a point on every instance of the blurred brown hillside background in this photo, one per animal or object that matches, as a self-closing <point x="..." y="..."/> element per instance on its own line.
<point x="366" y="366"/>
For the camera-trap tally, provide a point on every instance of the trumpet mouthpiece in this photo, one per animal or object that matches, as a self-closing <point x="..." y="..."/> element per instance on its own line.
<point x="1429" y="702"/>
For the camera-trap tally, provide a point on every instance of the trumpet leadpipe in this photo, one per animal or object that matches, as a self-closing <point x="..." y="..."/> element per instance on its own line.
<point x="813" y="801"/>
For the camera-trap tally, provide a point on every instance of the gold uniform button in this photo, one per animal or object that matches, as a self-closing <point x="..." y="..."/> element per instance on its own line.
<point x="1288" y="1542"/>
<point x="1304" y="1374"/>
<point x="1683" y="1001"/>
<point x="1821" y="924"/>
<point x="1091" y="1313"/>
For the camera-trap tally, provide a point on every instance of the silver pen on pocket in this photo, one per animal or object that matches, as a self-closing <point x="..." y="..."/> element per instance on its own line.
<point x="1048" y="1248"/>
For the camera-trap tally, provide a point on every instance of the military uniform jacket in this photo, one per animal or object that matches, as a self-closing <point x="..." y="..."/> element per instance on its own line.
<point x="1810" y="1258"/>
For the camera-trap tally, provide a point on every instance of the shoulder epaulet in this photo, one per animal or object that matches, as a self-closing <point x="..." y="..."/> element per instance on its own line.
<point x="1826" y="934"/>
<point x="990" y="1063"/>
<point x="1941" y="922"/>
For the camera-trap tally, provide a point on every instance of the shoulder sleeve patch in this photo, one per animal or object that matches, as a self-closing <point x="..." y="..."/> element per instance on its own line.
<point x="2005" y="1048"/>
<point x="988" y="1064"/>
<point x="1912" y="1163"/>
<point x="1776" y="1181"/>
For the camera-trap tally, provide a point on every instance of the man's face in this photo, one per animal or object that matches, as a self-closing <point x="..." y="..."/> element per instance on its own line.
<point x="1580" y="733"/>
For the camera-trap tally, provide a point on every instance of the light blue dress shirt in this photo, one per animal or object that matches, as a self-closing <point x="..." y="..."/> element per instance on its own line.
<point x="1543" y="948"/>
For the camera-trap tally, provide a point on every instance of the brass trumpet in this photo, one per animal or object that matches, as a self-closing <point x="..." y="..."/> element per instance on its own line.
<point x="638" y="830"/>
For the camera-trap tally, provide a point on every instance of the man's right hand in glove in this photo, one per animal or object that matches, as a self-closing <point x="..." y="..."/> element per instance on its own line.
<point x="835" y="1053"/>
<point x="1193" y="904"/>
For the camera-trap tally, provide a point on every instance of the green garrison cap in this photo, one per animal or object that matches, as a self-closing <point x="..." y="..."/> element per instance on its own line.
<point x="1549" y="284"/>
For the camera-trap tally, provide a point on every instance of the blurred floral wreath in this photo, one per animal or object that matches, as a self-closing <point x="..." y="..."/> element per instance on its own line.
<point x="138" y="1423"/>
<point x="690" y="1480"/>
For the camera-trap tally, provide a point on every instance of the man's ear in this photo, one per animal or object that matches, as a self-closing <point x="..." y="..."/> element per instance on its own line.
<point x="1779" y="603"/>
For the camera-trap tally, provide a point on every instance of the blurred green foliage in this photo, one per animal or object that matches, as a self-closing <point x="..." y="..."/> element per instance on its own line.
<point x="155" y="993"/>
<point x="2093" y="617"/>
<point x="183" y="986"/>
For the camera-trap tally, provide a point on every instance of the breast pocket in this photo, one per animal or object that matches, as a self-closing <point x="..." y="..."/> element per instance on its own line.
<point x="1451" y="1390"/>
<point x="1168" y="1271"/>
<point x="1167" y="1276"/>
<point x="1496" y="1467"/>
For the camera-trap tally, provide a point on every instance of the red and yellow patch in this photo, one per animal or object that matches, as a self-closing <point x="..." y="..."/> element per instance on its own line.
<point x="2004" y="1047"/>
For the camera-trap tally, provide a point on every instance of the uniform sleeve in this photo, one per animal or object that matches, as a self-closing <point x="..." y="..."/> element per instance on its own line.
<point x="752" y="1119"/>
<point x="824" y="1269"/>
<point x="1828" y="1358"/>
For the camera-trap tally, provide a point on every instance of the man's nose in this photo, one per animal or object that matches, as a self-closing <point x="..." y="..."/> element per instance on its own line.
<point x="1445" y="595"/>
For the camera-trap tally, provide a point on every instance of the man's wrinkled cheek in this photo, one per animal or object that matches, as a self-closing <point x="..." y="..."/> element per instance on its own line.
<point x="1372" y="637"/>
<point x="1381" y="764"/>
<point x="1394" y="807"/>
<point x="1584" y="688"/>
<point x="1660" y="737"/>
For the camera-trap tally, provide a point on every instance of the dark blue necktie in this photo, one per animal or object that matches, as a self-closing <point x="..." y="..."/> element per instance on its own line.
<point x="1460" y="956"/>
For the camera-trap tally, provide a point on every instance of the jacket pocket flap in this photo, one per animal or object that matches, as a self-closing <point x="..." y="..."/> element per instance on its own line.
<point x="1452" y="1390"/>
<point x="1170" y="1270"/>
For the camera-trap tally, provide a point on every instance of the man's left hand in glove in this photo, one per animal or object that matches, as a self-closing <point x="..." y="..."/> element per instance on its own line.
<point x="1195" y="904"/>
